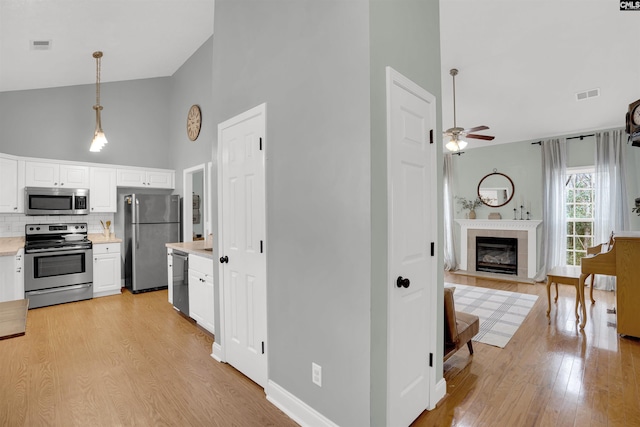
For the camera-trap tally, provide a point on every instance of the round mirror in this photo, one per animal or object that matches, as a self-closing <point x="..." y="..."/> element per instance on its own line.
<point x="495" y="189"/>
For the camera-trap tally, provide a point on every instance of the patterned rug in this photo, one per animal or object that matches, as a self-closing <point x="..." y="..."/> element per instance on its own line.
<point x="501" y="312"/>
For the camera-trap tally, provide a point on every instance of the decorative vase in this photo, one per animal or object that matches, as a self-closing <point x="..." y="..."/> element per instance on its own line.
<point x="472" y="214"/>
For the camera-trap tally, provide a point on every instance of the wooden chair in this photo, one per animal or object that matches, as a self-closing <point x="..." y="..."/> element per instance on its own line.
<point x="459" y="327"/>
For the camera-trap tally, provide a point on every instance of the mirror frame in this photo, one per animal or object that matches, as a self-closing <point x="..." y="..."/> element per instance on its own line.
<point x="495" y="172"/>
<point x="187" y="206"/>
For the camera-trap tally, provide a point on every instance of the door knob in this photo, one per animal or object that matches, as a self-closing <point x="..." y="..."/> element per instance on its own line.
<point x="402" y="282"/>
<point x="224" y="259"/>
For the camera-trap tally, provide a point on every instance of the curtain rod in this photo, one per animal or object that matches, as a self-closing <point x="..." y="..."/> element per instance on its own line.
<point x="581" y="137"/>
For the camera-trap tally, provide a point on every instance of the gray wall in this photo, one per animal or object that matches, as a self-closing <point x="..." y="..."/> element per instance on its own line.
<point x="522" y="162"/>
<point x="191" y="84"/>
<point x="58" y="123"/>
<point x="309" y="61"/>
<point x="405" y="36"/>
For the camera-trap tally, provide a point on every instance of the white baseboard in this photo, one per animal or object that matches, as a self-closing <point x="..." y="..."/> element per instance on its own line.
<point x="295" y="408"/>
<point x="439" y="392"/>
<point x="216" y="352"/>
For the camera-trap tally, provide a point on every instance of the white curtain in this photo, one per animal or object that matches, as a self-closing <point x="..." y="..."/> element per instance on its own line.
<point x="554" y="224"/>
<point x="450" y="262"/>
<point x="611" y="206"/>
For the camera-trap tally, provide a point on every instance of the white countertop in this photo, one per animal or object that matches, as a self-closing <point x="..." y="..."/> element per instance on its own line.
<point x="195" y="248"/>
<point x="10" y="246"/>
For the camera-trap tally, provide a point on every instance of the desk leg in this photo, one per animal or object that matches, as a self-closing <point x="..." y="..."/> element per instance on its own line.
<point x="581" y="293"/>
<point x="549" y="297"/>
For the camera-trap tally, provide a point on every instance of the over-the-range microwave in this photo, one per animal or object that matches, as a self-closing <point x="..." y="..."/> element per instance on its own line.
<point x="56" y="201"/>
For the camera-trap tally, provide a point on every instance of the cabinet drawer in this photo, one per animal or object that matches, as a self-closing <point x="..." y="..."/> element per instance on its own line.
<point x="106" y="248"/>
<point x="202" y="264"/>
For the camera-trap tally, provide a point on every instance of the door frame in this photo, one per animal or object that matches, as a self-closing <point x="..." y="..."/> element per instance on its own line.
<point x="394" y="78"/>
<point x="219" y="346"/>
<point x="187" y="206"/>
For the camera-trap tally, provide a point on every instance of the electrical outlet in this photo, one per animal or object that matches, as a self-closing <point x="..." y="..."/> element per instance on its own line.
<point x="316" y="374"/>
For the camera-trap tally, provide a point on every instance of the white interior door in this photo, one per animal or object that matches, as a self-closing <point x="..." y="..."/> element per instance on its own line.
<point x="242" y="242"/>
<point x="412" y="275"/>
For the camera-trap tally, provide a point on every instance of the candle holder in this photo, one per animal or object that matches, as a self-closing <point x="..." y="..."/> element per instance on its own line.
<point x="515" y="215"/>
<point x="521" y="212"/>
<point x="528" y="215"/>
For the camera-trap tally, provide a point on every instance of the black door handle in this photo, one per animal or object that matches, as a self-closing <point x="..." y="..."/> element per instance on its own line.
<point x="224" y="259"/>
<point x="402" y="283"/>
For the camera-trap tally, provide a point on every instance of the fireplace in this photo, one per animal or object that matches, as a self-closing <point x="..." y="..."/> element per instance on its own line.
<point x="497" y="255"/>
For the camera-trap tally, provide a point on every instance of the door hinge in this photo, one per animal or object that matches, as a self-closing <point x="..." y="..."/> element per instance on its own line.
<point x="262" y="347"/>
<point x="430" y="136"/>
<point x="260" y="143"/>
<point x="261" y="247"/>
<point x="433" y="246"/>
<point x="431" y="360"/>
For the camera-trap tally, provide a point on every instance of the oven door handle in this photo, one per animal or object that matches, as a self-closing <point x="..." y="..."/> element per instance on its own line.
<point x="66" y="250"/>
<point x="60" y="289"/>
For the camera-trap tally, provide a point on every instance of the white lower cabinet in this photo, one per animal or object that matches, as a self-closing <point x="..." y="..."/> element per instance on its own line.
<point x="170" y="274"/>
<point x="12" y="277"/>
<point x="201" y="308"/>
<point x="106" y="269"/>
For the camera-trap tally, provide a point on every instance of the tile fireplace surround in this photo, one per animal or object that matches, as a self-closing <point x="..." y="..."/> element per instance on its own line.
<point x="524" y="230"/>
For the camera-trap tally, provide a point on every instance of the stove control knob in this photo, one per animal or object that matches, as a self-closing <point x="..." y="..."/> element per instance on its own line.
<point x="30" y="228"/>
<point x="37" y="228"/>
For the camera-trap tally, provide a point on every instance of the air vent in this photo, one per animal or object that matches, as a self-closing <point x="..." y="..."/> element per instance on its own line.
<point x="41" y="44"/>
<point x="591" y="93"/>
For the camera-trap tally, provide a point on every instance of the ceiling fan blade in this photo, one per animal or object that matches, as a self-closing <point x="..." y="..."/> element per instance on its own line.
<point x="477" y="128"/>
<point x="485" y="137"/>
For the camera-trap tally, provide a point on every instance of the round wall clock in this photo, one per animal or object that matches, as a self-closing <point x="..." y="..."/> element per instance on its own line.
<point x="194" y="121"/>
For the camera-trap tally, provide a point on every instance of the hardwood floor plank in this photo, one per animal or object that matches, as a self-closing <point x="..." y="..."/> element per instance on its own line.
<point x="125" y="360"/>
<point x="549" y="374"/>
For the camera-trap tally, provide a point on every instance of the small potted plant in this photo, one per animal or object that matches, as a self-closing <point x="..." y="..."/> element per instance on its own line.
<point x="470" y="205"/>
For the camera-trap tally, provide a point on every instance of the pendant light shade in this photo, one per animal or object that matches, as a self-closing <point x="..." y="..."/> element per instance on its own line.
<point x="99" y="140"/>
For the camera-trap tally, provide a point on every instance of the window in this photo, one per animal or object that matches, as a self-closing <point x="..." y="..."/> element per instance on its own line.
<point x="579" y="210"/>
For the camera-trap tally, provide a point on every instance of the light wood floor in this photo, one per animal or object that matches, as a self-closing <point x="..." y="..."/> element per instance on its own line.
<point x="548" y="374"/>
<point x="126" y="360"/>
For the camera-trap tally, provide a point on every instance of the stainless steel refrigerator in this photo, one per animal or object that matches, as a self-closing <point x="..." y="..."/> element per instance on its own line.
<point x="150" y="221"/>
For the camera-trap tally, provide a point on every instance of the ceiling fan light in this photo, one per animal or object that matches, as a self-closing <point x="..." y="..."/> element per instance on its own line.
<point x="453" y="146"/>
<point x="462" y="144"/>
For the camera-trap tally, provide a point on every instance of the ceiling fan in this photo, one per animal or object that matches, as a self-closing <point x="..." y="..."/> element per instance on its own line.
<point x="455" y="134"/>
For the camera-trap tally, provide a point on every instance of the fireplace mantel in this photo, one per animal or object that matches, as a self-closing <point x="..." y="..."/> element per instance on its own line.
<point x="530" y="226"/>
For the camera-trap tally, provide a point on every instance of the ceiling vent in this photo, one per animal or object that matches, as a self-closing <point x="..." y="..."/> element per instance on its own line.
<point x="40" y="44"/>
<point x="591" y="93"/>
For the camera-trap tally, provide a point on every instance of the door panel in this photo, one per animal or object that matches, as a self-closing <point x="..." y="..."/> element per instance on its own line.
<point x="242" y="231"/>
<point x="411" y="178"/>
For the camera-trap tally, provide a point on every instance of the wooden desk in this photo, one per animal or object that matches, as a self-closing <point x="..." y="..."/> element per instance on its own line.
<point x="13" y="318"/>
<point x="623" y="261"/>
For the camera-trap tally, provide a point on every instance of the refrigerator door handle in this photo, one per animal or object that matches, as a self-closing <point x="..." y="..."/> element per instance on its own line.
<point x="137" y="216"/>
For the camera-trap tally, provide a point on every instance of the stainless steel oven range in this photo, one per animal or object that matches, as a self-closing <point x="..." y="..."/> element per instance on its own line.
<point x="58" y="264"/>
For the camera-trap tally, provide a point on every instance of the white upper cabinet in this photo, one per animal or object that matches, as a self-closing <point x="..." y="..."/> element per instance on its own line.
<point x="11" y="185"/>
<point x="146" y="178"/>
<point x="103" y="191"/>
<point x="44" y="174"/>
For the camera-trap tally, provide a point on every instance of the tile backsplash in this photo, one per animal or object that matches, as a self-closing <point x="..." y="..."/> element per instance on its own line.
<point x="13" y="225"/>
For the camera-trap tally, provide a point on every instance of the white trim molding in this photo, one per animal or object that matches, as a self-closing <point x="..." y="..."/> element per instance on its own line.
<point x="295" y="408"/>
<point x="529" y="226"/>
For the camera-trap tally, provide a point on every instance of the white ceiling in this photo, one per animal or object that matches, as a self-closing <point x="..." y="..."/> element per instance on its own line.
<point x="521" y="62"/>
<point x="139" y="39"/>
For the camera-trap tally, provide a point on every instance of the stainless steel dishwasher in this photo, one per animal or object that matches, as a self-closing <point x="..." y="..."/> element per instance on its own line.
<point x="181" y="281"/>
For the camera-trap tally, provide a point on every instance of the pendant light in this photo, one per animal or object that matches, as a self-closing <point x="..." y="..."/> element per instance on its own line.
<point x="99" y="140"/>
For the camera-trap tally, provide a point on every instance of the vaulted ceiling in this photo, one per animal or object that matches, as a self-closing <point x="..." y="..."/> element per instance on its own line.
<point x="521" y="62"/>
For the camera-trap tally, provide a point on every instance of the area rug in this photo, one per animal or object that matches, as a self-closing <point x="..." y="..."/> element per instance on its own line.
<point x="501" y="312"/>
